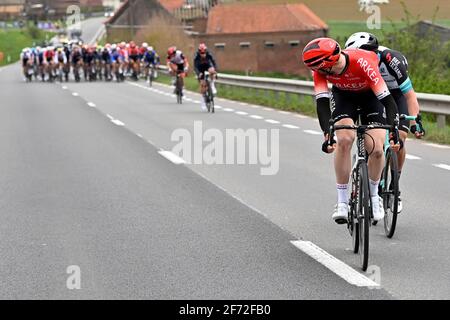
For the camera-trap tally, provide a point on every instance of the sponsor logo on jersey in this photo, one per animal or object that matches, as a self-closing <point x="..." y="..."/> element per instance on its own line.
<point x="369" y="70"/>
<point x="394" y="65"/>
<point x="351" y="86"/>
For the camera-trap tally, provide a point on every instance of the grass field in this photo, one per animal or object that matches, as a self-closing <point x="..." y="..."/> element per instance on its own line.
<point x="13" y="41"/>
<point x="344" y="10"/>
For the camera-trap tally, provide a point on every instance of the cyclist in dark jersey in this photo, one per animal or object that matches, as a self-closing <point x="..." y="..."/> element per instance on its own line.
<point x="204" y="61"/>
<point x="394" y="70"/>
<point x="357" y="83"/>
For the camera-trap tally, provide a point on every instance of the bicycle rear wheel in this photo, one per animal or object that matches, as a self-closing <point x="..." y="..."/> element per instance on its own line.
<point x="390" y="193"/>
<point x="364" y="214"/>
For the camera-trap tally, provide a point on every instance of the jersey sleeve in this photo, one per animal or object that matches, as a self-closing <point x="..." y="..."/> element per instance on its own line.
<point x="397" y="66"/>
<point x="320" y="86"/>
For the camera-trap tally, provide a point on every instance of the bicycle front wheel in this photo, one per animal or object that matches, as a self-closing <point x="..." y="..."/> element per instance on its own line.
<point x="390" y="193"/>
<point x="364" y="212"/>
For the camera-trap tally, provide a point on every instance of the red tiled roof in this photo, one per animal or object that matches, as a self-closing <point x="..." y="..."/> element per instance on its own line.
<point x="171" y="5"/>
<point x="255" y="18"/>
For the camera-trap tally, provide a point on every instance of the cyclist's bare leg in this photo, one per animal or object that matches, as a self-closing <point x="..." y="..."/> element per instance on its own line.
<point x="376" y="157"/>
<point x="402" y="153"/>
<point x="342" y="156"/>
<point x="203" y="86"/>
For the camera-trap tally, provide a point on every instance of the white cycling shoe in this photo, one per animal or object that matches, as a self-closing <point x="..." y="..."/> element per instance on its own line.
<point x="399" y="205"/>
<point x="213" y="88"/>
<point x="377" y="208"/>
<point x="340" y="214"/>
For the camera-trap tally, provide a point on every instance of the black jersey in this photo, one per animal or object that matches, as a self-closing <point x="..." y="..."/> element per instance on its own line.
<point x="394" y="69"/>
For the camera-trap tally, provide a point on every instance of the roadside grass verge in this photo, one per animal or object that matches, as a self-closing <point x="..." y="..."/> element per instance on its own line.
<point x="12" y="41"/>
<point x="298" y="103"/>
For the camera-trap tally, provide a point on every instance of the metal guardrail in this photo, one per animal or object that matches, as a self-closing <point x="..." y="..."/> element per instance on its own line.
<point x="438" y="104"/>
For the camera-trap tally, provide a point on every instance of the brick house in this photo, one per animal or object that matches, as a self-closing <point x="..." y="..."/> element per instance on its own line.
<point x="11" y="8"/>
<point x="260" y="37"/>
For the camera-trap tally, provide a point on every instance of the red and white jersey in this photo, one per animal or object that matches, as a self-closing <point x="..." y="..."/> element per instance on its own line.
<point x="360" y="74"/>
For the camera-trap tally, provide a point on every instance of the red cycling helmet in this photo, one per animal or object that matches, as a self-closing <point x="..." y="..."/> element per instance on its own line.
<point x="321" y="53"/>
<point x="171" y="51"/>
<point x="132" y="44"/>
<point x="202" y="48"/>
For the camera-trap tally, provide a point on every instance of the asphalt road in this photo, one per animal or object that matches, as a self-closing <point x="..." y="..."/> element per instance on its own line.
<point x="77" y="189"/>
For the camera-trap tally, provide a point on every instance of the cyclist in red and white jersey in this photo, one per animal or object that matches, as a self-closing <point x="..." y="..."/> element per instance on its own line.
<point x="358" y="88"/>
<point x="177" y="64"/>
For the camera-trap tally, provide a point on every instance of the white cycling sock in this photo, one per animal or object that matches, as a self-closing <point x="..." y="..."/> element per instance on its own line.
<point x="373" y="186"/>
<point x="342" y="190"/>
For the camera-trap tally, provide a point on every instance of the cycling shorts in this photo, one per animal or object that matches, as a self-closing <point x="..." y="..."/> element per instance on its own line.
<point x="349" y="104"/>
<point x="204" y="67"/>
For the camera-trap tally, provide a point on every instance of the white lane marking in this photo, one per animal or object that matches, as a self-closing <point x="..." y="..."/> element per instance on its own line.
<point x="242" y="113"/>
<point x="110" y="117"/>
<point x="290" y="126"/>
<point x="272" y="121"/>
<point x="411" y="157"/>
<point x="312" y="132"/>
<point x="283" y="112"/>
<point x="218" y="107"/>
<point x="188" y="99"/>
<point x="196" y="101"/>
<point x="118" y="122"/>
<point x="228" y="109"/>
<point x="139" y="135"/>
<point x="91" y="104"/>
<point x="442" y="166"/>
<point x="337" y="266"/>
<point x="268" y="109"/>
<point x="254" y="116"/>
<point x="254" y="106"/>
<point x="437" y="145"/>
<point x="75" y="94"/>
<point x="171" y="157"/>
<point x="64" y="87"/>
<point x="243" y="104"/>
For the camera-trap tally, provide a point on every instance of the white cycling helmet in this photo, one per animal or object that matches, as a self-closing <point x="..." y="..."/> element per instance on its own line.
<point x="150" y="48"/>
<point x="145" y="45"/>
<point x="362" y="40"/>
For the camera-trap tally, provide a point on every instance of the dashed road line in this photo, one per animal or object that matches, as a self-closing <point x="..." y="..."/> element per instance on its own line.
<point x="290" y="126"/>
<point x="241" y="113"/>
<point x="75" y="94"/>
<point x="412" y="157"/>
<point x="437" y="145"/>
<point x="254" y="116"/>
<point x="272" y="121"/>
<point x="91" y="104"/>
<point x="442" y="166"/>
<point x="171" y="157"/>
<point x="118" y="122"/>
<point x="314" y="132"/>
<point x="228" y="109"/>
